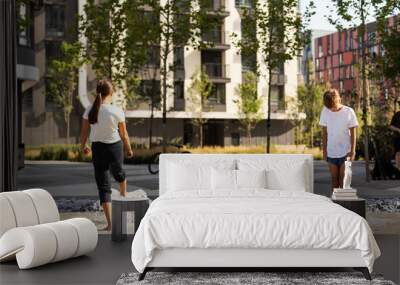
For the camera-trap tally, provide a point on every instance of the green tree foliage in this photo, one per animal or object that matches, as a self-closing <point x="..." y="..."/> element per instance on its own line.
<point x="249" y="104"/>
<point x="272" y="29"/>
<point x="62" y="77"/>
<point x="199" y="92"/>
<point x="103" y="25"/>
<point x="169" y="24"/>
<point x="310" y="102"/>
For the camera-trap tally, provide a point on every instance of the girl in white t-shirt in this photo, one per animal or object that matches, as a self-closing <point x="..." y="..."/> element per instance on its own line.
<point x="339" y="124"/>
<point x="109" y="137"/>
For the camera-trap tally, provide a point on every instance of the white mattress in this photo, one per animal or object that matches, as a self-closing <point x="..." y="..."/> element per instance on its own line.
<point x="256" y="218"/>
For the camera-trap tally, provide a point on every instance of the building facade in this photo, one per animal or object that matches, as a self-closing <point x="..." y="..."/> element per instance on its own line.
<point x="225" y="67"/>
<point x="222" y="62"/>
<point x="337" y="59"/>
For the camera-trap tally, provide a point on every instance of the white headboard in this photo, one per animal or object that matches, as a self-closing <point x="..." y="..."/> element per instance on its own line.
<point x="209" y="159"/>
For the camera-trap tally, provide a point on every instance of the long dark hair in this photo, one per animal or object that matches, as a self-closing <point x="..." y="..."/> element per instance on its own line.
<point x="103" y="88"/>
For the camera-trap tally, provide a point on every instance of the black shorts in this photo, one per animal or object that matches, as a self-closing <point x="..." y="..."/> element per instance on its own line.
<point x="107" y="158"/>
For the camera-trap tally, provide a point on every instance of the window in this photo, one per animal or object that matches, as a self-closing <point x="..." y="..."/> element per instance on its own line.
<point x="55" y="20"/>
<point x="346" y="41"/>
<point x="179" y="90"/>
<point x="278" y="98"/>
<point x="179" y="58"/>
<point x="341" y="86"/>
<point x="320" y="50"/>
<point x="351" y="40"/>
<point x="153" y="56"/>
<point x="317" y="65"/>
<point x="371" y="38"/>
<point x="340" y="42"/>
<point x="53" y="50"/>
<point x="249" y="62"/>
<point x="217" y="95"/>
<point x="149" y="88"/>
<point x="24" y="25"/>
<point x="179" y="96"/>
<point x="328" y="40"/>
<point x="341" y="59"/>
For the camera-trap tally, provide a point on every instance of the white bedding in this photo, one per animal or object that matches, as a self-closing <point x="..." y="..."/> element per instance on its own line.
<point x="251" y="218"/>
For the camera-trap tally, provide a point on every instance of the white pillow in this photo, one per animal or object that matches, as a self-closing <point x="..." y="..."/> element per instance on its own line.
<point x="223" y="179"/>
<point x="282" y="174"/>
<point x="251" y="178"/>
<point x="188" y="177"/>
<point x="283" y="179"/>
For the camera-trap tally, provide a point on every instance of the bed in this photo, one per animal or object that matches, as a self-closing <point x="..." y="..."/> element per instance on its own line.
<point x="247" y="211"/>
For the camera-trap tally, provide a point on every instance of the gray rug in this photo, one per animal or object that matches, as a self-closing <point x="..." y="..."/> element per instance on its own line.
<point x="243" y="278"/>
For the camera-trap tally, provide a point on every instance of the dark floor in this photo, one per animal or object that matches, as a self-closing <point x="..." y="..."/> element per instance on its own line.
<point x="110" y="260"/>
<point x="103" y="266"/>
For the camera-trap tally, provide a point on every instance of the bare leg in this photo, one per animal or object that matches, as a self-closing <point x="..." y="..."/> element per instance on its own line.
<point x="341" y="175"/>
<point x="334" y="176"/>
<point x="107" y="212"/>
<point x="122" y="188"/>
<point x="397" y="158"/>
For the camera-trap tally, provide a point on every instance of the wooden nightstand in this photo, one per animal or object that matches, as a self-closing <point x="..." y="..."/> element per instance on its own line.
<point x="356" y="205"/>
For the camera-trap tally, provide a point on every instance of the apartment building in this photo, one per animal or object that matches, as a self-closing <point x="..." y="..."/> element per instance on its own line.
<point x="337" y="59"/>
<point x="224" y="66"/>
<point x="55" y="21"/>
<point x="52" y="21"/>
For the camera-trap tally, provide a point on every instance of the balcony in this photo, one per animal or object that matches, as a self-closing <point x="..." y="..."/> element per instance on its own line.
<point x="215" y="7"/>
<point x="279" y="79"/>
<point x="215" y="39"/>
<point x="216" y="72"/>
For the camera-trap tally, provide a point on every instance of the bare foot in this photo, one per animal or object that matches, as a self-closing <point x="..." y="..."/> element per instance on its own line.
<point x="107" y="228"/>
<point x="122" y="188"/>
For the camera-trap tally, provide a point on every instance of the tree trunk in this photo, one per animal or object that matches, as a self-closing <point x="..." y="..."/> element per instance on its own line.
<point x="269" y="110"/>
<point x="364" y="95"/>
<point x="201" y="135"/>
<point x="151" y="126"/>
<point x="68" y="121"/>
<point x="248" y="133"/>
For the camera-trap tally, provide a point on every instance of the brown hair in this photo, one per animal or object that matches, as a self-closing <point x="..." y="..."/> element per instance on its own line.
<point x="103" y="89"/>
<point x="329" y="97"/>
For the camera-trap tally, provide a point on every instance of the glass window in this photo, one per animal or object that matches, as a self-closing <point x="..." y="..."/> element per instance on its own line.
<point x="53" y="50"/>
<point x="217" y="95"/>
<point x="153" y="56"/>
<point x="55" y="20"/>
<point x="25" y="25"/>
<point x="179" y="90"/>
<point x="278" y="97"/>
<point x="179" y="57"/>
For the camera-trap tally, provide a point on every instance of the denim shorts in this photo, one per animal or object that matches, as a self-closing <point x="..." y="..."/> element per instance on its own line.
<point x="338" y="161"/>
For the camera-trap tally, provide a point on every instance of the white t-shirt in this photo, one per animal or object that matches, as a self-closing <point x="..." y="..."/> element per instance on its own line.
<point x="106" y="128"/>
<point x="338" y="124"/>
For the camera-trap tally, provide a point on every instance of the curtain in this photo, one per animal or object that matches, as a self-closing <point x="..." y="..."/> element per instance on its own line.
<point x="8" y="97"/>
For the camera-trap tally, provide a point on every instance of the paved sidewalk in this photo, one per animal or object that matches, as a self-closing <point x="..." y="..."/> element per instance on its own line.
<point x="65" y="179"/>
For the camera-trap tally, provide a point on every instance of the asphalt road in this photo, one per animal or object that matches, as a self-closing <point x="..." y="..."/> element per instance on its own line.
<point x="77" y="179"/>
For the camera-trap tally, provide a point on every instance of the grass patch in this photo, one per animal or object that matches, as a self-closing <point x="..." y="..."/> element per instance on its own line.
<point x="143" y="155"/>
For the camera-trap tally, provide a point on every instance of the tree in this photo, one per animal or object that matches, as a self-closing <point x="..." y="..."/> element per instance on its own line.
<point x="273" y="30"/>
<point x="199" y="92"/>
<point x="355" y="14"/>
<point x="104" y="24"/>
<point x="310" y="102"/>
<point x="62" y="79"/>
<point x="249" y="104"/>
<point x="180" y="23"/>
